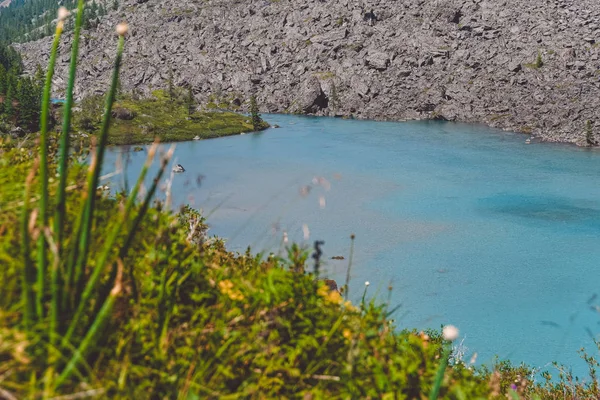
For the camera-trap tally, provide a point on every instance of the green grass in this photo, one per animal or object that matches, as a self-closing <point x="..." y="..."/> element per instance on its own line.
<point x="169" y="120"/>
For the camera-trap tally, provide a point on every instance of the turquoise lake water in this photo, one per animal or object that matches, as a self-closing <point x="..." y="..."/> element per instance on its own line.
<point x="472" y="226"/>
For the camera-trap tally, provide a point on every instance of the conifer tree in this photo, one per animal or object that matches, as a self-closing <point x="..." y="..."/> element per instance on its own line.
<point x="190" y="101"/>
<point x="257" y="121"/>
<point x="9" y="109"/>
<point x="3" y="80"/>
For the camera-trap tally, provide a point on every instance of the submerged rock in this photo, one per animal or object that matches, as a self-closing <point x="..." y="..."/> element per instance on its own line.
<point x="178" y="168"/>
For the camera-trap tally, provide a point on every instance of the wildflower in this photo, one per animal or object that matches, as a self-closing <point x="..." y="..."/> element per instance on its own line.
<point x="349" y="306"/>
<point x="226" y="287"/>
<point x="450" y="333"/>
<point x="122" y="28"/>
<point x="323" y="291"/>
<point x="330" y="296"/>
<point x="367" y="283"/>
<point x="334" y="297"/>
<point x="63" y="13"/>
<point x="285" y="237"/>
<point x="347" y="334"/>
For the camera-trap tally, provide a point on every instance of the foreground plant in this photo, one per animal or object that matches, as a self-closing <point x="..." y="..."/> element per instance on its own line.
<point x="60" y="298"/>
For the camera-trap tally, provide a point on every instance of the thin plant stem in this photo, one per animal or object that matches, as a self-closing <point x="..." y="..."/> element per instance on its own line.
<point x="28" y="271"/>
<point x="439" y="378"/>
<point x="66" y="128"/>
<point x="42" y="258"/>
<point x="134" y="226"/>
<point x="94" y="174"/>
<point x="60" y="211"/>
<point x="92" y="333"/>
<point x="108" y="247"/>
<point x="352" y="237"/>
<point x="69" y="292"/>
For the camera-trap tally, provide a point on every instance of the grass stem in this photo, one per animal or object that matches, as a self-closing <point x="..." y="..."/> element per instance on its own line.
<point x="42" y="245"/>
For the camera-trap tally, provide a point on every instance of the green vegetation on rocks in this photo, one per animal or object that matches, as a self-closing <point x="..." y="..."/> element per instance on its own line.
<point x="171" y="119"/>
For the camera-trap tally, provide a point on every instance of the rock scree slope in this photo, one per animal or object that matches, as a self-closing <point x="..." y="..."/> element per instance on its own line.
<point x="457" y="60"/>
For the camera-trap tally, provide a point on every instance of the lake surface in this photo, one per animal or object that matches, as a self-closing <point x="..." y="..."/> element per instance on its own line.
<point x="472" y="226"/>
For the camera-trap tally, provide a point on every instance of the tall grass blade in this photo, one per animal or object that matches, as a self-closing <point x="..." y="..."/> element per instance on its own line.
<point x="138" y="219"/>
<point x="69" y="291"/>
<point x="108" y="247"/>
<point x="92" y="333"/>
<point x="42" y="259"/>
<point x="66" y="128"/>
<point x="439" y="378"/>
<point x="94" y="174"/>
<point x="134" y="226"/>
<point x="352" y="237"/>
<point x="28" y="271"/>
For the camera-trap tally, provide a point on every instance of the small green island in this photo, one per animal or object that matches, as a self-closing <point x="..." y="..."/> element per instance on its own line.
<point x="169" y="115"/>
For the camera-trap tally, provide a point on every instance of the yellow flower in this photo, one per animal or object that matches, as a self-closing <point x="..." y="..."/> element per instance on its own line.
<point x="347" y="334"/>
<point x="226" y="288"/>
<point x="323" y="291"/>
<point x="348" y="306"/>
<point x="334" y="297"/>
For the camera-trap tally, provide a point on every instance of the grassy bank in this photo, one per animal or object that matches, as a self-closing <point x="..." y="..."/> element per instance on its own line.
<point x="171" y="118"/>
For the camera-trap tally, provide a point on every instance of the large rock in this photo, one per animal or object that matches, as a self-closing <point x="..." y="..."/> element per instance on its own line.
<point x="311" y="98"/>
<point x="378" y="60"/>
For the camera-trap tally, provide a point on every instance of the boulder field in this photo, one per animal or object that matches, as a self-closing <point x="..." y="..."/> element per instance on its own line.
<point x="530" y="66"/>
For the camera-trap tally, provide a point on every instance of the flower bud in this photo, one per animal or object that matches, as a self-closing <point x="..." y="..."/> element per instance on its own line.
<point x="450" y="333"/>
<point x="63" y="13"/>
<point x="122" y="28"/>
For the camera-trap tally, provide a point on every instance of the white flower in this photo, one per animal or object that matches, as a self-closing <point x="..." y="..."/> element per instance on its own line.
<point x="367" y="283"/>
<point x="450" y="333"/>
<point x="122" y="28"/>
<point x="285" y="237"/>
<point x="63" y="13"/>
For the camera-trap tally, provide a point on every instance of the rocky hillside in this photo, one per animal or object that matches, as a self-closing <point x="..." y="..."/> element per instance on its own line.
<point x="525" y="65"/>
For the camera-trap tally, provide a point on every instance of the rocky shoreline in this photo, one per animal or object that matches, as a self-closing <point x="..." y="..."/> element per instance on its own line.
<point x="529" y="66"/>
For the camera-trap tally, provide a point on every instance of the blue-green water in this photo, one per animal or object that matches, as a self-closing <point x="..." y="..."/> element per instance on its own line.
<point x="472" y="226"/>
